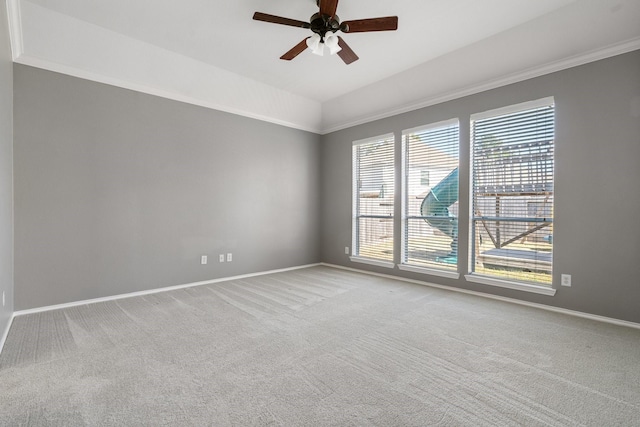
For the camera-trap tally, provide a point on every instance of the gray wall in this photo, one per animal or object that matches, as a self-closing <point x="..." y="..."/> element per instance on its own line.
<point x="597" y="200"/>
<point x="6" y="172"/>
<point x="118" y="191"/>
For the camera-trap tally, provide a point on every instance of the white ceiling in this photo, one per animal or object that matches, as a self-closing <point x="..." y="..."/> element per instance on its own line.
<point x="210" y="52"/>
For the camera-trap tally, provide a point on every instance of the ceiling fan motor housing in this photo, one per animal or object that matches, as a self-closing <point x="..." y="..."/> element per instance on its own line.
<point x="321" y="24"/>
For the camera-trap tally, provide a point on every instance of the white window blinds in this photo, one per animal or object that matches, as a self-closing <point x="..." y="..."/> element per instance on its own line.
<point x="373" y="195"/>
<point x="430" y="196"/>
<point x="512" y="192"/>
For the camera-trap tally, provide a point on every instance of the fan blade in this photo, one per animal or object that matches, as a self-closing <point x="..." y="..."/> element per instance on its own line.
<point x="347" y="55"/>
<point x="388" y="23"/>
<point x="259" y="16"/>
<point x="295" y="51"/>
<point x="328" y="7"/>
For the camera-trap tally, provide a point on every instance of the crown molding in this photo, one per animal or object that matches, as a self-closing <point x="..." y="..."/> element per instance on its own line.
<point x="15" y="14"/>
<point x="32" y="61"/>
<point x="15" y="28"/>
<point x="548" y="68"/>
<point x="61" y="43"/>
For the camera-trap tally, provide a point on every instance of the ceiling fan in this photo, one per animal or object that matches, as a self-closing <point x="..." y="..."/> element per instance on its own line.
<point x="324" y="25"/>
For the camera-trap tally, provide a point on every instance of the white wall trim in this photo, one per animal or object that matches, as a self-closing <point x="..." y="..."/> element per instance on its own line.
<point x="5" y="334"/>
<point x="149" y="90"/>
<point x="516" y="108"/>
<point x="548" y="68"/>
<point x="430" y="271"/>
<point x="560" y="310"/>
<point x="386" y="136"/>
<point x="490" y="281"/>
<point x="15" y="28"/>
<point x="156" y="290"/>
<point x="370" y="261"/>
<point x="16" y="12"/>
<point x="17" y="47"/>
<point x="574" y="313"/>
<point x="425" y="128"/>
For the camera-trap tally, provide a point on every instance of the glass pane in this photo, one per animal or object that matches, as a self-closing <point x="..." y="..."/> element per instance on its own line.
<point x="429" y="246"/>
<point x="518" y="251"/>
<point x="375" y="169"/>
<point x="374" y="182"/>
<point x="431" y="193"/>
<point x="375" y="238"/>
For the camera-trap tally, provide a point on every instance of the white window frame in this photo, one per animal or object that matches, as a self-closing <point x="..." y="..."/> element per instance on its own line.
<point x="450" y="274"/>
<point x="354" y="205"/>
<point x="478" y="277"/>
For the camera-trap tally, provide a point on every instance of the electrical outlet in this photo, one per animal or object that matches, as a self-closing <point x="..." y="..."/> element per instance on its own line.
<point x="346" y="250"/>
<point x="221" y="258"/>
<point x="565" y="279"/>
<point x="229" y="257"/>
<point x="203" y="259"/>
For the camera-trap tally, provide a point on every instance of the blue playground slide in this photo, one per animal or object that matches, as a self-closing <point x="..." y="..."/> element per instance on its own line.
<point x="437" y="203"/>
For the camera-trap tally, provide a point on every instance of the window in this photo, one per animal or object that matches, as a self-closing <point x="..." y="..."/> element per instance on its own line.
<point x="373" y="193"/>
<point x="430" y="197"/>
<point x="424" y="177"/>
<point x="512" y="193"/>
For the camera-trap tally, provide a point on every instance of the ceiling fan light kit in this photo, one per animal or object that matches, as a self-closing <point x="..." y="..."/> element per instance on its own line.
<point x="317" y="44"/>
<point x="331" y="42"/>
<point x="324" y="25"/>
<point x="313" y="43"/>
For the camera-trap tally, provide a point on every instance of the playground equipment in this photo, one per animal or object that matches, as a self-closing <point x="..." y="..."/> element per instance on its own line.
<point x="435" y="208"/>
<point x="435" y="211"/>
<point x="514" y="203"/>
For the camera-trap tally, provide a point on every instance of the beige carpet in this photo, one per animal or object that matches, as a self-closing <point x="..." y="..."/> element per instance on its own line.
<point x="318" y="346"/>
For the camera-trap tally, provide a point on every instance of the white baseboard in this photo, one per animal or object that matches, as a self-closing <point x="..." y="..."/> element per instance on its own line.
<point x="574" y="313"/>
<point x="5" y="334"/>
<point x="497" y="297"/>
<point x="154" y="291"/>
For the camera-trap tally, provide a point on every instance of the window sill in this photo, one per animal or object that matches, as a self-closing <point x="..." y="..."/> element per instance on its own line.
<point x="371" y="261"/>
<point x="430" y="271"/>
<point x="485" y="280"/>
